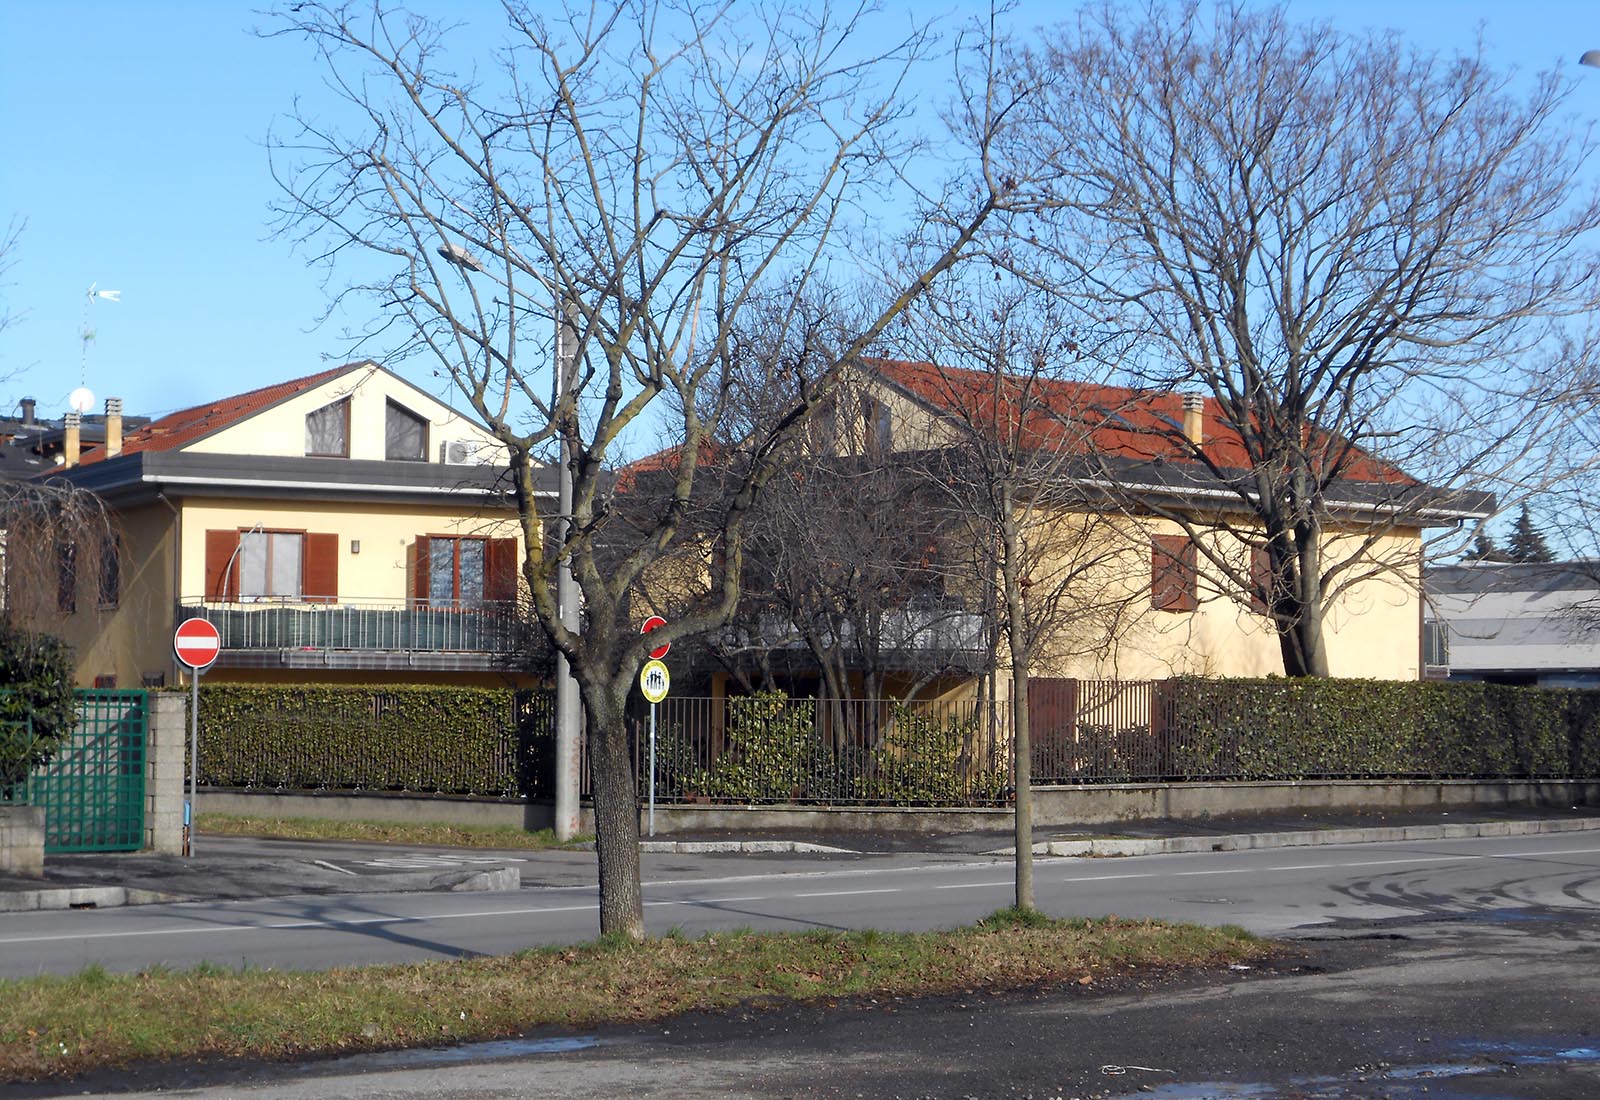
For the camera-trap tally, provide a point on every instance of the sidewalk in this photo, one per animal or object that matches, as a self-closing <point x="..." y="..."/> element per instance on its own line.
<point x="227" y="868"/>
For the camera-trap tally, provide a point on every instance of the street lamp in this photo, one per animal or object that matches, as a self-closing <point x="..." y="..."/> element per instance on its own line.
<point x="1590" y="58"/>
<point x="568" y="761"/>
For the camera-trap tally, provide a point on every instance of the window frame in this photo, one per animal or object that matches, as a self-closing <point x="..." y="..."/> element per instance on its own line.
<point x="390" y="407"/>
<point x="343" y="404"/>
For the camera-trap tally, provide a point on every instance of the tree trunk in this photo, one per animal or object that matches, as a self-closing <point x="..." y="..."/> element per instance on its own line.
<point x="616" y="811"/>
<point x="1021" y="748"/>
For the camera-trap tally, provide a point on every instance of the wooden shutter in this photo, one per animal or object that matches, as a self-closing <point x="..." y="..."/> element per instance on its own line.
<point x="1174" y="568"/>
<point x="419" y="569"/>
<point x="1260" y="580"/>
<point x="222" y="565"/>
<point x="500" y="571"/>
<point x="319" y="575"/>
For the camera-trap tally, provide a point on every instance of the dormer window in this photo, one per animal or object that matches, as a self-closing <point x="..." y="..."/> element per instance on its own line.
<point x="328" y="431"/>
<point x="405" y="435"/>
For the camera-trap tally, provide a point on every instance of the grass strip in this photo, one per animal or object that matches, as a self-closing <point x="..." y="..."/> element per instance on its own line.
<point x="55" y="1026"/>
<point x="419" y="833"/>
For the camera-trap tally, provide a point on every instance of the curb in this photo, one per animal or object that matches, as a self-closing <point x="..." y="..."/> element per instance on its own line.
<point x="704" y="847"/>
<point x="79" y="897"/>
<point x="1236" y="842"/>
<point x="492" y="879"/>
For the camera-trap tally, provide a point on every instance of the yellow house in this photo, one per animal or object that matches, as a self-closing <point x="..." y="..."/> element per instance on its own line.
<point x="1146" y="596"/>
<point x="341" y="527"/>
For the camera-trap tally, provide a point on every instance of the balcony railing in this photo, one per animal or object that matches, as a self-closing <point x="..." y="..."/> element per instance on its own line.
<point x="346" y="632"/>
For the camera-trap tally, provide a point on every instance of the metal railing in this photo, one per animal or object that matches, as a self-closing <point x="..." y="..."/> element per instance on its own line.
<point x="758" y="750"/>
<point x="359" y="624"/>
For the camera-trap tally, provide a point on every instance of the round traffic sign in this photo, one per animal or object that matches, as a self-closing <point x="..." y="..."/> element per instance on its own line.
<point x="646" y="627"/>
<point x="197" y="643"/>
<point x="654" y="681"/>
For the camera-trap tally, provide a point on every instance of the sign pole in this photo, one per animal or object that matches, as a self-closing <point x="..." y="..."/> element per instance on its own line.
<point x="197" y="644"/>
<point x="194" y="761"/>
<point x="654" y="682"/>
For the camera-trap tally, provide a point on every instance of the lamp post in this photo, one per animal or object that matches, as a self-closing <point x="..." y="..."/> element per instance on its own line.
<point x="1590" y="58"/>
<point x="568" y="761"/>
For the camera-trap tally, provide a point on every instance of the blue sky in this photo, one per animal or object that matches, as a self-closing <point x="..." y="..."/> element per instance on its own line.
<point x="135" y="152"/>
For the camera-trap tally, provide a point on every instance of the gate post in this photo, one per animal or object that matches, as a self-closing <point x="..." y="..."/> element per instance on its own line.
<point x="167" y="738"/>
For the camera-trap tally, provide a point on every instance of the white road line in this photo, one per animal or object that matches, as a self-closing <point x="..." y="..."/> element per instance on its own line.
<point x="332" y="866"/>
<point x="975" y="885"/>
<point x="848" y="893"/>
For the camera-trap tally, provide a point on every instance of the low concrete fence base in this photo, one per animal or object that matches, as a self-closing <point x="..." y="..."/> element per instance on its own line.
<point x="1130" y="801"/>
<point x="22" y="841"/>
<point x="389" y="808"/>
<point x="1052" y="806"/>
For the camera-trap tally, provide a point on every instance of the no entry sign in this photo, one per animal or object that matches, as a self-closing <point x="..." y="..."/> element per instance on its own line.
<point x="650" y="624"/>
<point x="196" y="643"/>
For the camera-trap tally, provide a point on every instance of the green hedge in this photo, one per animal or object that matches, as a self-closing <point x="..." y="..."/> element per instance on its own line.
<point x="434" y="740"/>
<point x="37" y="705"/>
<point x="1295" y="729"/>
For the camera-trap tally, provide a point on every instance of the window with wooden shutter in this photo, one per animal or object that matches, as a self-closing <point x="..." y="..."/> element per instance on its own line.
<point x="1174" y="573"/>
<point x="500" y="576"/>
<point x="222" y="565"/>
<point x="420" y="553"/>
<point x="320" y="574"/>
<point x="1260" y="580"/>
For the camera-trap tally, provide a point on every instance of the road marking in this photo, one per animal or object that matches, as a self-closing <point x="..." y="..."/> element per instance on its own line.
<point x="332" y="866"/>
<point x="847" y="893"/>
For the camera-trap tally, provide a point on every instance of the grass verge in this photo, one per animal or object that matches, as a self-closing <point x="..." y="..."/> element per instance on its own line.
<point x="424" y="833"/>
<point x="51" y="1026"/>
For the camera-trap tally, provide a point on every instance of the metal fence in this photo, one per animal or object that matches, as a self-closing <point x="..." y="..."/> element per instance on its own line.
<point x="92" y="790"/>
<point x="479" y="627"/>
<point x="762" y="750"/>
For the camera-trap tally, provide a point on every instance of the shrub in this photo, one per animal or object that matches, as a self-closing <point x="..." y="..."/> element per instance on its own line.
<point x="37" y="705"/>
<point x="772" y="752"/>
<point x="437" y="740"/>
<point x="1295" y="729"/>
<point x="929" y="758"/>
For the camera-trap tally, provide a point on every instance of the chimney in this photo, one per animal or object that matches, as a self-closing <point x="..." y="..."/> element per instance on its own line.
<point x="1194" y="425"/>
<point x="73" y="420"/>
<point x="113" y="427"/>
<point x="28" y="407"/>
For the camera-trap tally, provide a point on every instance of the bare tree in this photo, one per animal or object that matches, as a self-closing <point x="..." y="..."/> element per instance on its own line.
<point x="657" y="174"/>
<point x="1373" y="259"/>
<point x="1001" y="363"/>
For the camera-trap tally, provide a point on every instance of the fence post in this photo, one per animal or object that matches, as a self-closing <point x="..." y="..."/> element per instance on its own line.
<point x="166" y="732"/>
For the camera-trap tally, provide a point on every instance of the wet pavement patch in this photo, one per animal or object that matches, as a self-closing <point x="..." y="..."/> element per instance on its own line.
<point x="465" y="1052"/>
<point x="1392" y="1082"/>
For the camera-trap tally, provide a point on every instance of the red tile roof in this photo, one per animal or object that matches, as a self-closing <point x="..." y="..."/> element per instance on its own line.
<point x="177" y="429"/>
<point x="1085" y="417"/>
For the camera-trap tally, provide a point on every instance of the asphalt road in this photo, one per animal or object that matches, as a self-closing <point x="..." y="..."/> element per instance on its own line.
<point x="1271" y="891"/>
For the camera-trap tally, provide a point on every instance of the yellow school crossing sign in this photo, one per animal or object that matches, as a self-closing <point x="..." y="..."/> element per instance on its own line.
<point x="654" y="681"/>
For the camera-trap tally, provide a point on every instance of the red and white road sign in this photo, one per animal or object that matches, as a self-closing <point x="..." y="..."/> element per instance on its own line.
<point x="650" y="624"/>
<point x="197" y="643"/>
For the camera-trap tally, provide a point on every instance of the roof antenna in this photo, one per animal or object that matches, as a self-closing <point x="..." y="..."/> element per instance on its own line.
<point x="82" y="398"/>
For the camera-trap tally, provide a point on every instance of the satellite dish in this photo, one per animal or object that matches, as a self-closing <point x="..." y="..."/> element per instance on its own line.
<point x="82" y="399"/>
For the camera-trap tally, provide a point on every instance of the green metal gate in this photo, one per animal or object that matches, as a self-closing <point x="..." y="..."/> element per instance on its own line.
<point x="92" y="791"/>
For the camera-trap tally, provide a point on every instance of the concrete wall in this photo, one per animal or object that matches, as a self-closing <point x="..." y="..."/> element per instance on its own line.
<point x="394" y="809"/>
<point x="165" y="753"/>
<point x="22" y="841"/>
<point x="1052" y="806"/>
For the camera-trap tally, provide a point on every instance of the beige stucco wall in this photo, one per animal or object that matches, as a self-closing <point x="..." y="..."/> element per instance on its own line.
<point x="1371" y="631"/>
<point x="386" y="532"/>
<point x="134" y="638"/>
<point x="281" y="430"/>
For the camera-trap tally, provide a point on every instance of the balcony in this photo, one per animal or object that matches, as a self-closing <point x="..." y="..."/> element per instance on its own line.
<point x="365" y="634"/>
